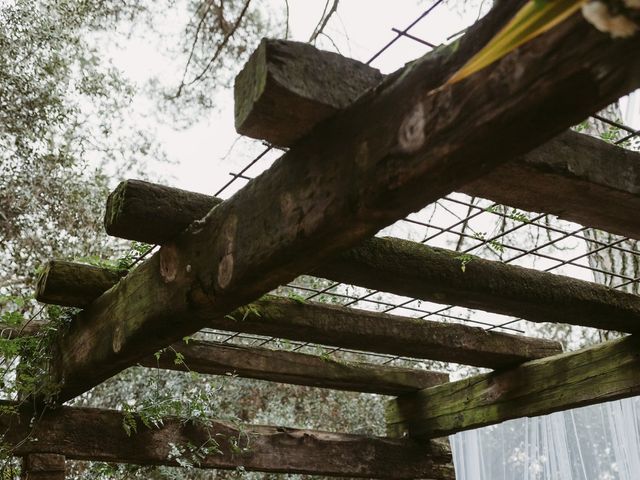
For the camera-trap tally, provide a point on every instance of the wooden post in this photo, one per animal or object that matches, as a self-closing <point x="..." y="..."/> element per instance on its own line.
<point x="43" y="466"/>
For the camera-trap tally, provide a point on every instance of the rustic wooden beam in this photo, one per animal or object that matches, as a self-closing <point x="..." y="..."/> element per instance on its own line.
<point x="43" y="466"/>
<point x="288" y="87"/>
<point x="98" y="435"/>
<point x="87" y="283"/>
<point x="601" y="373"/>
<point x="399" y="147"/>
<point x="215" y="358"/>
<point x="294" y="368"/>
<point x="436" y="275"/>
<point x="370" y="331"/>
<point x="172" y="209"/>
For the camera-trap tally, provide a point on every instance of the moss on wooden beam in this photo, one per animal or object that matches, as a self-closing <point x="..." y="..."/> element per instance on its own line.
<point x="433" y="274"/>
<point x="597" y="374"/>
<point x="98" y="435"/>
<point x="294" y="368"/>
<point x="215" y="358"/>
<point x="65" y="283"/>
<point x="173" y="210"/>
<point x="399" y="147"/>
<point x="287" y="88"/>
<point x="371" y="331"/>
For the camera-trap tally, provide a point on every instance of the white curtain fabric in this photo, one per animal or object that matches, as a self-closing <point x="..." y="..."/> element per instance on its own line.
<point x="600" y="442"/>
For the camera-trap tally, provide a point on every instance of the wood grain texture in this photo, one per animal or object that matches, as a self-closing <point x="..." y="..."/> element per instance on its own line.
<point x="434" y="274"/>
<point x="601" y="373"/>
<point x="215" y="358"/>
<point x="375" y="332"/>
<point x="98" y="435"/>
<point x="294" y="368"/>
<point x="398" y="147"/>
<point x="65" y="283"/>
<point x="288" y="87"/>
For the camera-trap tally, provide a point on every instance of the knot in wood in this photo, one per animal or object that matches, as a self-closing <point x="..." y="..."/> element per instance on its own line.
<point x="168" y="262"/>
<point x="411" y="136"/>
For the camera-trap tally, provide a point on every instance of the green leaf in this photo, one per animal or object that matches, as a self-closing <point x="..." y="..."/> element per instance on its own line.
<point x="535" y="18"/>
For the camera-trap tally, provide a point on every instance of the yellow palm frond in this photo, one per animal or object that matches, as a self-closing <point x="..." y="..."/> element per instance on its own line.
<point x="535" y="18"/>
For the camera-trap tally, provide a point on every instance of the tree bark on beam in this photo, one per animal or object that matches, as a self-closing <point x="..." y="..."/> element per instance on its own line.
<point x="288" y="87"/>
<point x="365" y="330"/>
<point x="98" y="435"/>
<point x="605" y="372"/>
<point x="399" y="147"/>
<point x="433" y="274"/>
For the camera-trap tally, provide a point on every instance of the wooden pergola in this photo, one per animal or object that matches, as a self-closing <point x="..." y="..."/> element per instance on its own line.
<point x="364" y="151"/>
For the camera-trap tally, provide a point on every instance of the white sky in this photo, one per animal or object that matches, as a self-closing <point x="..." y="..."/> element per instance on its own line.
<point x="360" y="28"/>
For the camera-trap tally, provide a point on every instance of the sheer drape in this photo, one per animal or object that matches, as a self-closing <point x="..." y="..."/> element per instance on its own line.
<point x="600" y="442"/>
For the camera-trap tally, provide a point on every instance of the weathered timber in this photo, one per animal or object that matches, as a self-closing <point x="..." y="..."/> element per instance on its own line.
<point x="287" y="88"/>
<point x="292" y="86"/>
<point x="173" y="210"/>
<point x="93" y="434"/>
<point x="574" y="176"/>
<point x="43" y="466"/>
<point x="601" y="373"/>
<point x="294" y="368"/>
<point x="433" y="274"/>
<point x="63" y="283"/>
<point x="400" y="146"/>
<point x="376" y="332"/>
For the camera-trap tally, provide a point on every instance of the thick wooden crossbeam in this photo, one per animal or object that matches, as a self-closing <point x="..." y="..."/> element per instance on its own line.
<point x="358" y="329"/>
<point x="294" y="368"/>
<point x="215" y="358"/>
<point x="288" y="87"/>
<point x="87" y="283"/>
<point x="98" y="435"/>
<point x="399" y="147"/>
<point x="601" y="373"/>
<point x="415" y="270"/>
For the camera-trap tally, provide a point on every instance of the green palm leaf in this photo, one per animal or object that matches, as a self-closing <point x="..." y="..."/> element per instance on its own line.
<point x="535" y="18"/>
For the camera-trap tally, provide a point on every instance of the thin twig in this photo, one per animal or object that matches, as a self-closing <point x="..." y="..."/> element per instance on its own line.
<point x="222" y="44"/>
<point x="324" y="20"/>
<point x="193" y="47"/>
<point x="286" y="32"/>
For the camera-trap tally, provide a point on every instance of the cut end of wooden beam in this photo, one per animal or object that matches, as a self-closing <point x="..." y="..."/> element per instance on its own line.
<point x="74" y="285"/>
<point x="133" y="202"/>
<point x="288" y="87"/>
